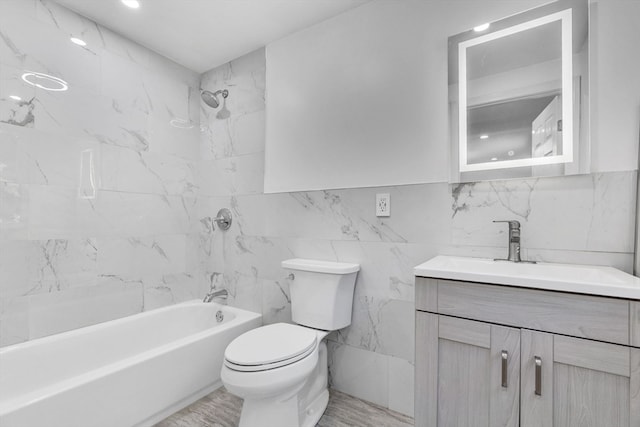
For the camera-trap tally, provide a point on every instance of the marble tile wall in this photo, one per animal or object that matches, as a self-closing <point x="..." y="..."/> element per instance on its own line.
<point x="579" y="219"/>
<point x="98" y="206"/>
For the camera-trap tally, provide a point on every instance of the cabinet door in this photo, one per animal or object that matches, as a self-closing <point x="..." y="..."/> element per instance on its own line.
<point x="569" y="382"/>
<point x="467" y="373"/>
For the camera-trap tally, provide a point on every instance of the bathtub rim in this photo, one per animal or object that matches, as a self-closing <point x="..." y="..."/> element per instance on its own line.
<point x="102" y="325"/>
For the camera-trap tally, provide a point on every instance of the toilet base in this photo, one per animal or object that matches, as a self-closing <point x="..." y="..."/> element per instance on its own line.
<point x="301" y="407"/>
<point x="315" y="410"/>
<point x="268" y="412"/>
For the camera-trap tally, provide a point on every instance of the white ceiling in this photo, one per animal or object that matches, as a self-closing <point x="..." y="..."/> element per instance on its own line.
<point x="203" y="34"/>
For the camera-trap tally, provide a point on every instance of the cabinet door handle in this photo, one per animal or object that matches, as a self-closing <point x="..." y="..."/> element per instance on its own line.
<point x="505" y="358"/>
<point x="538" y="362"/>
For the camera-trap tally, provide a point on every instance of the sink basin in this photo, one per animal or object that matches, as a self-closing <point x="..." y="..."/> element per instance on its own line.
<point x="584" y="279"/>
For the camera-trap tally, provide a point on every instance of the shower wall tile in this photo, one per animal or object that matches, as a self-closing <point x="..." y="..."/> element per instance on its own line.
<point x="241" y="134"/>
<point x="35" y="157"/>
<point x="56" y="265"/>
<point x="204" y="252"/>
<point x="13" y="166"/>
<point x="171" y="289"/>
<point x="245" y="80"/>
<point x="13" y="268"/>
<point x="52" y="212"/>
<point x="98" y="184"/>
<point x="141" y="258"/>
<point x="175" y="140"/>
<point x="11" y="83"/>
<point x="233" y="175"/>
<point x="131" y="171"/>
<point x="74" y="308"/>
<point x="252" y="213"/>
<point x="139" y="214"/>
<point x="48" y="51"/>
<point x="14" y="211"/>
<point x="14" y="320"/>
<point x="245" y="289"/>
<point x="52" y="15"/>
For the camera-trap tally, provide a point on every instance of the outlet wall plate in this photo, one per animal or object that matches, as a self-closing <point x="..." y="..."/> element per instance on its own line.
<point x="383" y="204"/>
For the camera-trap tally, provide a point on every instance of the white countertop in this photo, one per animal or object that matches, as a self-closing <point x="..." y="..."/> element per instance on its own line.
<point x="582" y="279"/>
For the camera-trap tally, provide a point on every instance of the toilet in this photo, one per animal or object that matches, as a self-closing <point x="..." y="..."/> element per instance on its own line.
<point x="281" y="370"/>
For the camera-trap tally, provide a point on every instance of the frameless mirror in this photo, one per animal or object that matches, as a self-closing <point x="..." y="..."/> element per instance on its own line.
<point x="518" y="95"/>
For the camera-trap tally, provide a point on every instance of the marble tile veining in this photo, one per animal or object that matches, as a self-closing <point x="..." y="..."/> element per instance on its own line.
<point x="222" y="409"/>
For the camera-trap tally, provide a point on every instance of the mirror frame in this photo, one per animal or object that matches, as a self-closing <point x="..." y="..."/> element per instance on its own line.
<point x="564" y="17"/>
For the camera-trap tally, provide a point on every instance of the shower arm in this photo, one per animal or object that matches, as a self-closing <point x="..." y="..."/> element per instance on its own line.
<point x="223" y="92"/>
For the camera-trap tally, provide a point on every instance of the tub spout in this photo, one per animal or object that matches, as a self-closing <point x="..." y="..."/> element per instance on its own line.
<point x="220" y="293"/>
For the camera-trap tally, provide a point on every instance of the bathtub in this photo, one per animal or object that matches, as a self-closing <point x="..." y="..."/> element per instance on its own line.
<point x="134" y="371"/>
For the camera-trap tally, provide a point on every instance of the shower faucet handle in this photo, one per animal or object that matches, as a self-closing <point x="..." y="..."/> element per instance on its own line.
<point x="223" y="219"/>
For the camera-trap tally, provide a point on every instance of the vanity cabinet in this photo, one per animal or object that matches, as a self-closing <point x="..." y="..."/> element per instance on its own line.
<point x="493" y="355"/>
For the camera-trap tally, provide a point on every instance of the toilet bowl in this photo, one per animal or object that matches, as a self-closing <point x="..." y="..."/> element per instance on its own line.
<point x="269" y="367"/>
<point x="281" y="370"/>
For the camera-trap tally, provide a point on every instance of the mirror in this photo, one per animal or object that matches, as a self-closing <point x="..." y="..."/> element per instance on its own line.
<point x="518" y="95"/>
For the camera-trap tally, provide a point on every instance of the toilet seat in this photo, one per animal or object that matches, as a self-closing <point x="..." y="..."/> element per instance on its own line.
<point x="269" y="347"/>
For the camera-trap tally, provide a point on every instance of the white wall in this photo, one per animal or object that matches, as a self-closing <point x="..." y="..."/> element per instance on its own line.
<point x="615" y="74"/>
<point x="361" y="99"/>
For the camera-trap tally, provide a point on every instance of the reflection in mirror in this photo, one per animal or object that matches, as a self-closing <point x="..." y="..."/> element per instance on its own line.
<point x="518" y="93"/>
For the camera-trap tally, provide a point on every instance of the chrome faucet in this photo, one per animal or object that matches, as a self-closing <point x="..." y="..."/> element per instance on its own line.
<point x="220" y="293"/>
<point x="514" y="242"/>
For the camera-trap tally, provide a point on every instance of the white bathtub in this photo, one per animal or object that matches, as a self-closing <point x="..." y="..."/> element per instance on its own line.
<point x="133" y="371"/>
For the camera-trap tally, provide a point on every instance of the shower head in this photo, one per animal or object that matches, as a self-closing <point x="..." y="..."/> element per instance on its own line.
<point x="211" y="98"/>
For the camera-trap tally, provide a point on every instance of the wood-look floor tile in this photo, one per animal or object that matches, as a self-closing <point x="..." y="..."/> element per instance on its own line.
<point x="222" y="409"/>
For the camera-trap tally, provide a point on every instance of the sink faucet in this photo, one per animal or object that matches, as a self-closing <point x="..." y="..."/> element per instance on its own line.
<point x="514" y="242"/>
<point x="221" y="293"/>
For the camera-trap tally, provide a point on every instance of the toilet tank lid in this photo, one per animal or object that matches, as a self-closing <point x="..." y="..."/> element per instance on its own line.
<point x="318" y="266"/>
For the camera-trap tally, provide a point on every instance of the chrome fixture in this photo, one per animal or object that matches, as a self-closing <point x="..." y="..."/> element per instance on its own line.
<point x="223" y="219"/>
<point x="211" y="98"/>
<point x="219" y="316"/>
<point x="220" y="293"/>
<point x="514" y="243"/>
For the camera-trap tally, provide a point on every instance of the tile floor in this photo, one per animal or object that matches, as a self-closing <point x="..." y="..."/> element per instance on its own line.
<point x="222" y="409"/>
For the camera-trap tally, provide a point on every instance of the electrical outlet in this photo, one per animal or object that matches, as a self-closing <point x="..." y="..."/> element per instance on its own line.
<point x="383" y="204"/>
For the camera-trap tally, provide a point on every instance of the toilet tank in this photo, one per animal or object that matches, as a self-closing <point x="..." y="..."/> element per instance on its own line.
<point x="321" y="292"/>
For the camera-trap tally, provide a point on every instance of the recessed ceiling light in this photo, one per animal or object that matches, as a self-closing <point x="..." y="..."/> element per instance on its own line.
<point x="484" y="136"/>
<point x="78" y="41"/>
<point x="511" y="153"/>
<point x="133" y="4"/>
<point x="482" y="27"/>
<point x="493" y="159"/>
<point x="15" y="97"/>
<point x="45" y="81"/>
